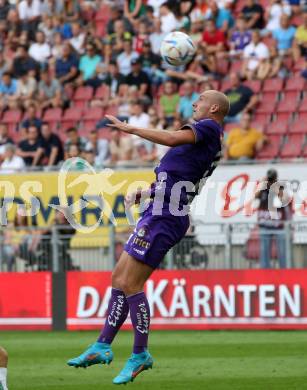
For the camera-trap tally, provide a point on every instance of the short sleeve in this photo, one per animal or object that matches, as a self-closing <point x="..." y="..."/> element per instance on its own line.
<point x="203" y="130"/>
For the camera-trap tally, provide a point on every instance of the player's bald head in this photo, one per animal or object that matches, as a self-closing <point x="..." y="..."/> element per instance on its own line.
<point x="220" y="99"/>
<point x="211" y="104"/>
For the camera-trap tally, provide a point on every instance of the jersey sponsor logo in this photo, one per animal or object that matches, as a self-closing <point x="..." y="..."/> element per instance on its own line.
<point x="139" y="251"/>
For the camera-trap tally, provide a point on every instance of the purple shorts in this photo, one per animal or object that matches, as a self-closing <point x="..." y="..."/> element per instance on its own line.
<point x="154" y="236"/>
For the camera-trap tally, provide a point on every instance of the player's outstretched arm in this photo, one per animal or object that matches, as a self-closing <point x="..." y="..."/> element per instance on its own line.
<point x="163" y="137"/>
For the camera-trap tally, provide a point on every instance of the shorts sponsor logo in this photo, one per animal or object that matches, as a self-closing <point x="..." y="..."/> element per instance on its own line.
<point x="142" y="243"/>
<point x="139" y="251"/>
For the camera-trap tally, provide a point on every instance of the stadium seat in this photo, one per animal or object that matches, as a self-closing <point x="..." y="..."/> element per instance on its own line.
<point x="71" y="117"/>
<point x="287" y="105"/>
<point x="269" y="96"/>
<point x="105" y="133"/>
<point x="291" y="95"/>
<point x="267" y="105"/>
<point x="112" y="110"/>
<point x="304" y="151"/>
<point x="12" y="118"/>
<point x="298" y="65"/>
<point x="102" y="92"/>
<point x="236" y="66"/>
<point x="259" y="126"/>
<point x="298" y="126"/>
<point x="82" y="96"/>
<point x="226" y="84"/>
<point x="295" y="84"/>
<point x="303" y="107"/>
<point x="293" y="146"/>
<point x="262" y="119"/>
<point x="270" y="149"/>
<point x="222" y="66"/>
<point x="254" y="85"/>
<point x="93" y="114"/>
<point x="277" y="128"/>
<point x="283" y="117"/>
<point x="229" y="126"/>
<point x="273" y="85"/>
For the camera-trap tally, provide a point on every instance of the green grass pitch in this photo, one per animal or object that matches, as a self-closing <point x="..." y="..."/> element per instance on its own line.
<point x="190" y="360"/>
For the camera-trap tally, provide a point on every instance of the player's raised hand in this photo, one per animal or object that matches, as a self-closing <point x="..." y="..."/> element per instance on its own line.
<point x="123" y="126"/>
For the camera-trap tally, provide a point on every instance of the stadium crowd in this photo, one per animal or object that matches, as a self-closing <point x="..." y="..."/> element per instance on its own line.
<point x="63" y="64"/>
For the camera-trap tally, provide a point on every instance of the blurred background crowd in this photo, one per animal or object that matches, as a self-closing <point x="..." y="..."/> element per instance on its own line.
<point x="65" y="63"/>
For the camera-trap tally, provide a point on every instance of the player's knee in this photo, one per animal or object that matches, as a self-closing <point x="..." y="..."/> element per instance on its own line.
<point x="3" y="357"/>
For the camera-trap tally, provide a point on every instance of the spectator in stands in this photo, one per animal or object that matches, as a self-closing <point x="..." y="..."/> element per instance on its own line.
<point x="284" y="36"/>
<point x="168" y="19"/>
<point x="8" y="89"/>
<point x="66" y="68"/>
<point x="29" y="149"/>
<point x="23" y="63"/>
<point x="156" y="37"/>
<point x="150" y="61"/>
<point x="12" y="163"/>
<point x="272" y="66"/>
<point x="40" y="50"/>
<point x="88" y="64"/>
<point x="26" y="91"/>
<point x="51" y="150"/>
<point x="73" y="138"/>
<point x="254" y="53"/>
<point x="116" y="14"/>
<point x="4" y="139"/>
<point x="273" y="14"/>
<point x="78" y="38"/>
<point x="239" y="38"/>
<point x="141" y="36"/>
<point x="121" y="147"/>
<point x="137" y="77"/>
<point x="134" y="9"/>
<point x="253" y="13"/>
<point x="99" y="148"/>
<point x="57" y="48"/>
<point x="32" y="118"/>
<point x="242" y="99"/>
<point x="213" y="44"/>
<point x="62" y="26"/>
<point x="300" y="43"/>
<point x="274" y="210"/>
<point x="125" y="58"/>
<point x="49" y="91"/>
<point x="4" y="64"/>
<point x="168" y="102"/>
<point x="185" y="107"/>
<point x="29" y="12"/>
<point x="4" y="9"/>
<point x="46" y="26"/>
<point x="223" y="19"/>
<point x="243" y="141"/>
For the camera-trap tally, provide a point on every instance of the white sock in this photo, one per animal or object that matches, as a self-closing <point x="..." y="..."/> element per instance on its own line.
<point x="3" y="374"/>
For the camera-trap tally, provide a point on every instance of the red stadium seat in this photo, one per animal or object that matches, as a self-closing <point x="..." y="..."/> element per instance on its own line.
<point x="298" y="65"/>
<point x="222" y="66"/>
<point x="304" y="151"/>
<point x="295" y="84"/>
<point x="270" y="149"/>
<point x="229" y="126"/>
<point x="269" y="96"/>
<point x="277" y="128"/>
<point x="83" y="93"/>
<point x="53" y="115"/>
<point x="93" y="114"/>
<point x="262" y="119"/>
<point x="303" y="107"/>
<point x="112" y="110"/>
<point x="105" y="133"/>
<point x="102" y="92"/>
<point x="291" y="95"/>
<point x="266" y="106"/>
<point x="12" y="118"/>
<point x="298" y="126"/>
<point x="226" y="84"/>
<point x="254" y="85"/>
<point x="259" y="126"/>
<point x="293" y="146"/>
<point x="287" y="105"/>
<point x="283" y="117"/>
<point x="273" y="85"/>
<point x="71" y="118"/>
<point x="236" y="66"/>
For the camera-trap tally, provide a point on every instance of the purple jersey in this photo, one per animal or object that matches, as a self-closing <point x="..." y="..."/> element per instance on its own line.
<point x="191" y="162"/>
<point x="181" y="166"/>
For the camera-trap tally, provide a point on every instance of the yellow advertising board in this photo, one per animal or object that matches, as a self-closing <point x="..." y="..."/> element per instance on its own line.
<point x="93" y="197"/>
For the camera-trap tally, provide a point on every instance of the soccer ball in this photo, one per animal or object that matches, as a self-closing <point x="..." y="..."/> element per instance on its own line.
<point x="177" y="48"/>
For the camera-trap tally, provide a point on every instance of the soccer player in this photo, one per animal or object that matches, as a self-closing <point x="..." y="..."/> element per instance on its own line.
<point x="3" y="368"/>
<point x="193" y="155"/>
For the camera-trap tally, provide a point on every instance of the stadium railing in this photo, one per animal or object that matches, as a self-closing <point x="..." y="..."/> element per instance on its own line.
<point x="207" y="246"/>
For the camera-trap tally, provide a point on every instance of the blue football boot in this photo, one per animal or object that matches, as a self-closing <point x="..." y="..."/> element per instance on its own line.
<point x="135" y="365"/>
<point x="97" y="353"/>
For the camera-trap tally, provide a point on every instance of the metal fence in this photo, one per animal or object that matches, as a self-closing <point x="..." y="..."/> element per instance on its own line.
<point x="219" y="246"/>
